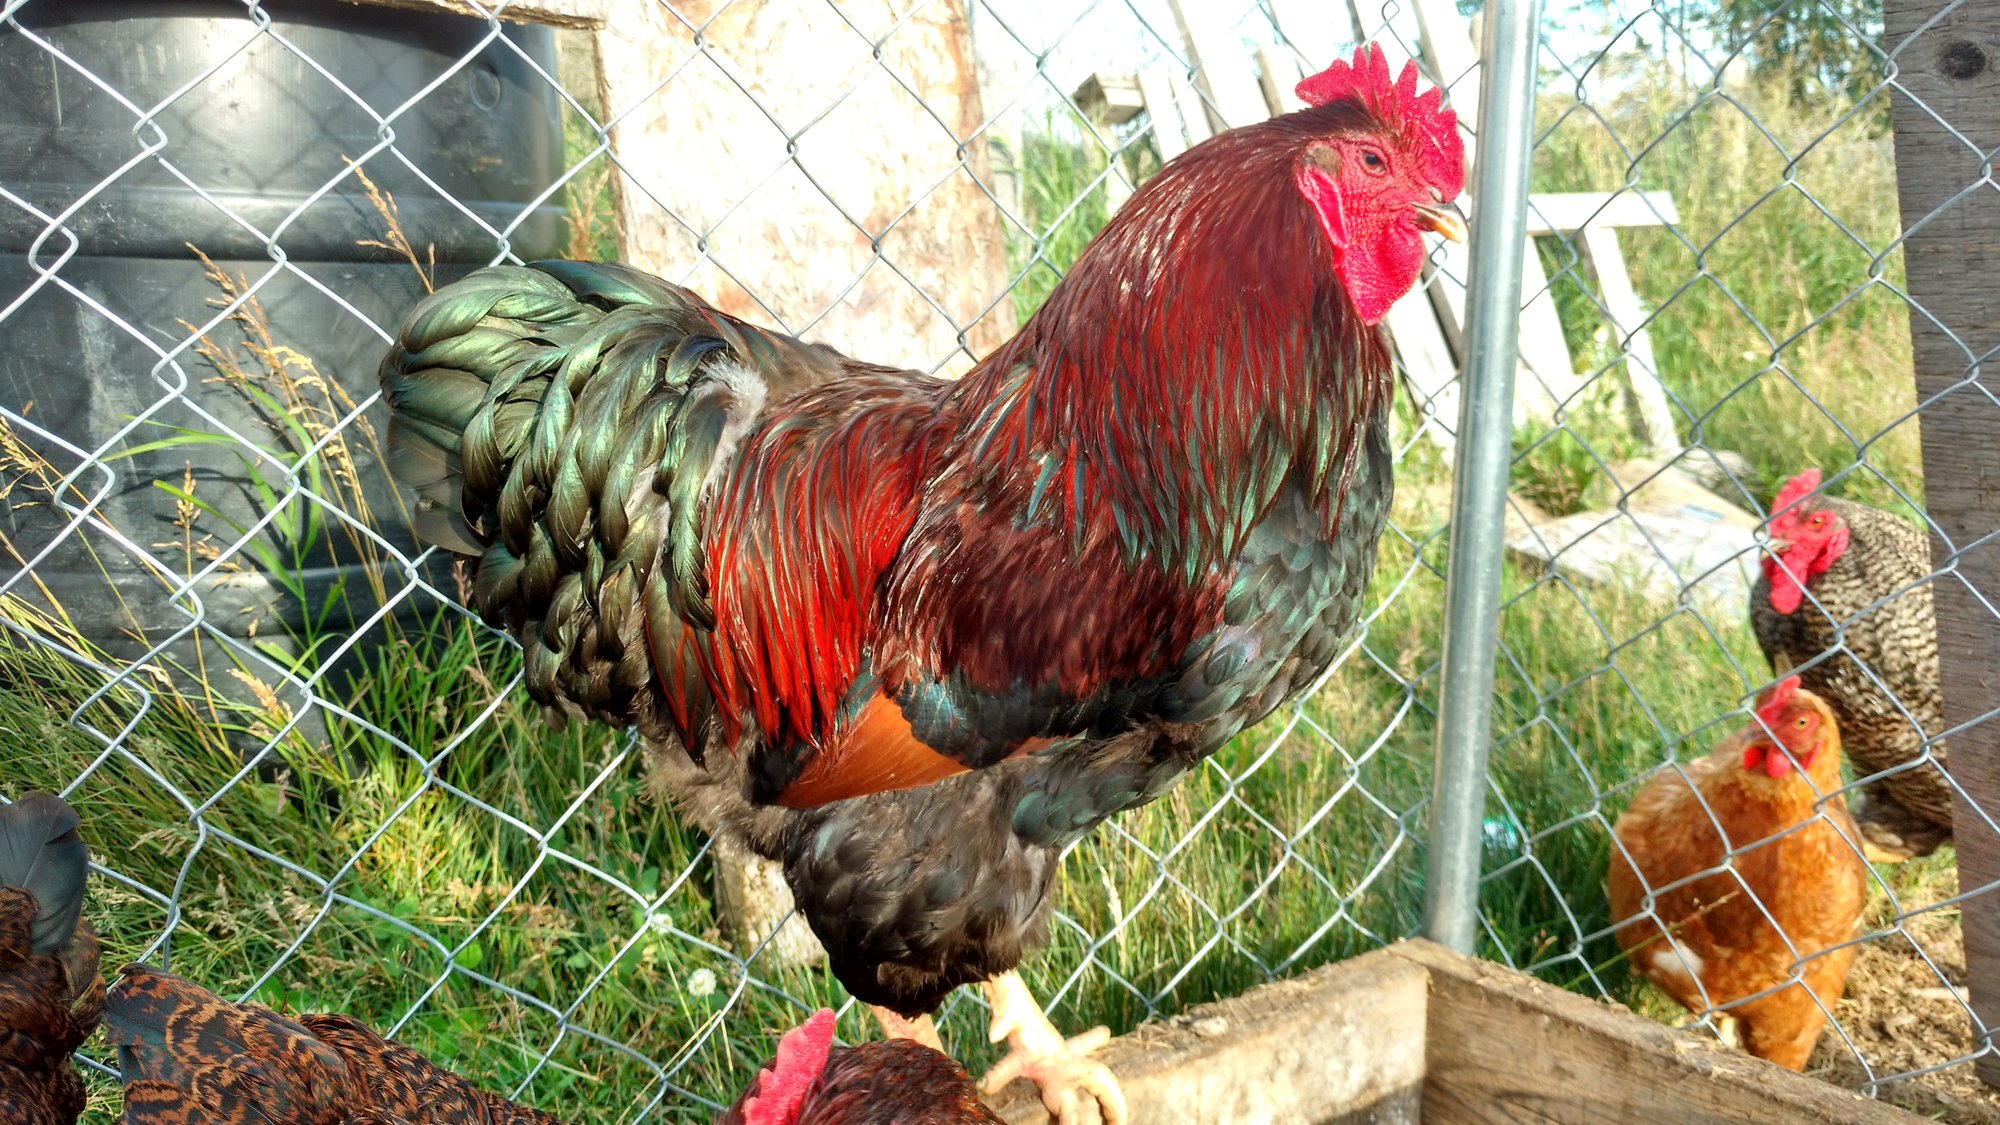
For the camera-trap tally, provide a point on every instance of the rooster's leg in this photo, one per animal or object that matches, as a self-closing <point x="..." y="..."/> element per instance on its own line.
<point x="1039" y="1053"/>
<point x="922" y="1029"/>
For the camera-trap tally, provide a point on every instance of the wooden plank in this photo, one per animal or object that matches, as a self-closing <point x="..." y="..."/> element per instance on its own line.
<point x="1550" y="378"/>
<point x="556" y="13"/>
<point x="1221" y="69"/>
<point x="1110" y="99"/>
<point x="1505" y="1047"/>
<point x="1279" y="73"/>
<point x="1314" y="29"/>
<point x="1560" y="212"/>
<point x="1651" y="408"/>
<point x="1952" y="251"/>
<point x="1342" y="1044"/>
<point x="780" y="222"/>
<point x="1169" y="130"/>
<point x="1194" y="114"/>
<point x="1428" y="369"/>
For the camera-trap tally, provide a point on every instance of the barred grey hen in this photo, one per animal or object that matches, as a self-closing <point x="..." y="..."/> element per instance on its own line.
<point x="1867" y="572"/>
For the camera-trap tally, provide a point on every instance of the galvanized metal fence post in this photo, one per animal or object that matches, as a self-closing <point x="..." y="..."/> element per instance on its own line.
<point x="1479" y="478"/>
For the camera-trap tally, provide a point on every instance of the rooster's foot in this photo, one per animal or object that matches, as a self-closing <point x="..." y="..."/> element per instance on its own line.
<point x="1060" y="1068"/>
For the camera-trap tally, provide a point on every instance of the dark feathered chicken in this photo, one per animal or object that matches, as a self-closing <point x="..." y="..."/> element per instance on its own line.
<point x="924" y="634"/>
<point x="50" y="992"/>
<point x="891" y="1082"/>
<point x="189" y="1057"/>
<point x="1870" y="607"/>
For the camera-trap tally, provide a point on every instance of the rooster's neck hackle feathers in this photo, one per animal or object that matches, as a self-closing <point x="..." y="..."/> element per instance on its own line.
<point x="1199" y="351"/>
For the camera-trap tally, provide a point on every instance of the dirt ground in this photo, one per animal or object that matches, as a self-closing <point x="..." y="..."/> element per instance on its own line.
<point x="1902" y="1017"/>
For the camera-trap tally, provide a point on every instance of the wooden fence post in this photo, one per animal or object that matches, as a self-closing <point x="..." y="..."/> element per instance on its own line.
<point x="1946" y="114"/>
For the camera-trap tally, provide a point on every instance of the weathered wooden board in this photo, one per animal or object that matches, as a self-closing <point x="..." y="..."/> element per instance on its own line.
<point x="1343" y="1044"/>
<point x="556" y="13"/>
<point x="1416" y="1032"/>
<point x="1314" y="29"/>
<point x="1559" y="212"/>
<point x="1547" y="378"/>
<point x="1505" y="1047"/>
<point x="1945" y="115"/>
<point x="766" y="166"/>
<point x="1653" y="410"/>
<point x="1169" y="133"/>
<point x="1222" y="68"/>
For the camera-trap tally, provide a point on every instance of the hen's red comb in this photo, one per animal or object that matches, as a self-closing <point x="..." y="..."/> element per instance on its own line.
<point x="1772" y="709"/>
<point x="1397" y="105"/>
<point x="1796" y="489"/>
<point x="782" y="1086"/>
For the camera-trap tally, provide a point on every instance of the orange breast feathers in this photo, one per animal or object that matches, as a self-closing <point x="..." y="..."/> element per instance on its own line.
<point x="877" y="753"/>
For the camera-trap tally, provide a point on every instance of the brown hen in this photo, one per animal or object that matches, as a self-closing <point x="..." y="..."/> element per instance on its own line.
<point x="187" y="1055"/>
<point x="50" y="991"/>
<point x="1707" y="937"/>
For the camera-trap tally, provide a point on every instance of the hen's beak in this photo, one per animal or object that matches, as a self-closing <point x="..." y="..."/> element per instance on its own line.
<point x="1443" y="218"/>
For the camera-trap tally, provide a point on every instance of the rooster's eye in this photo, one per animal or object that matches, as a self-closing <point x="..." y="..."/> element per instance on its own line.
<point x="1372" y="159"/>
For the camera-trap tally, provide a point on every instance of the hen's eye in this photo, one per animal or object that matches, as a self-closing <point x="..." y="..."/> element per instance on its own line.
<point x="1372" y="159"/>
<point x="1802" y="723"/>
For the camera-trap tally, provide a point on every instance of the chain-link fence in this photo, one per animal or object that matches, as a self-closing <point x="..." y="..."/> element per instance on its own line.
<point x="1772" y="330"/>
<point x="306" y="772"/>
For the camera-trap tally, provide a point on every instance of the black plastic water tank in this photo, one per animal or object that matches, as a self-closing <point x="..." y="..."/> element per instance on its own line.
<point x="135" y="131"/>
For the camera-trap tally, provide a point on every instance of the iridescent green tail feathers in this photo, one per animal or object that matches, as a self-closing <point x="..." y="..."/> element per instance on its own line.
<point x="560" y="423"/>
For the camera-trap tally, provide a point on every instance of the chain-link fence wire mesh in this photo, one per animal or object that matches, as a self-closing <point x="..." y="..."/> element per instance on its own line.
<point x="1750" y="154"/>
<point x="308" y="775"/>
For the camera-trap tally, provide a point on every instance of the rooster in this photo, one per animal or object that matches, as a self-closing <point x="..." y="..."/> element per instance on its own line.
<point x="893" y="1082"/>
<point x="1866" y="642"/>
<point x="187" y="1056"/>
<point x="1704" y="932"/>
<point x="50" y="992"/>
<point x="911" y="638"/>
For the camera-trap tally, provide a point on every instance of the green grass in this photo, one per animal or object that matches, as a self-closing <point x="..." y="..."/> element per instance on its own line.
<point x="1780" y="332"/>
<point x="441" y="836"/>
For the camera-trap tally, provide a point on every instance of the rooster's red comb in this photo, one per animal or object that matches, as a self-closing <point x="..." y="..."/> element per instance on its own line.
<point x="1397" y="105"/>
<point x="1796" y="489"/>
<point x="782" y="1086"/>
<point x="1771" y="708"/>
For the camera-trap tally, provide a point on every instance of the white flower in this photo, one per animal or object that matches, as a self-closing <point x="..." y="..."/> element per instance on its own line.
<point x="701" y="982"/>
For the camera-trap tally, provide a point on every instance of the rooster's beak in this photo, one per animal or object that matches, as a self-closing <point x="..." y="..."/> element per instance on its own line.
<point x="1443" y="218"/>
